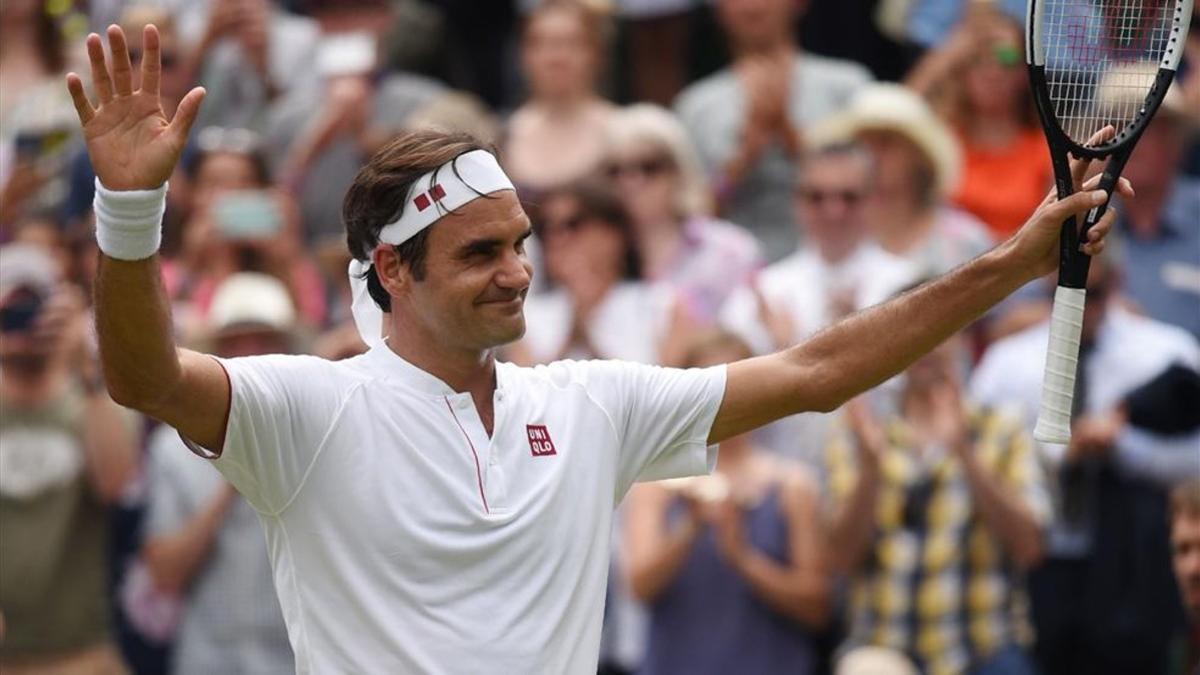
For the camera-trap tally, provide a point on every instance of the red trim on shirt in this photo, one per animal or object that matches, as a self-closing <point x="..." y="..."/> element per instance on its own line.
<point x="478" y="474"/>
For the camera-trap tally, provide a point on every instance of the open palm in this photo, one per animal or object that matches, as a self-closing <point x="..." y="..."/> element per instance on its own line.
<point x="131" y="143"/>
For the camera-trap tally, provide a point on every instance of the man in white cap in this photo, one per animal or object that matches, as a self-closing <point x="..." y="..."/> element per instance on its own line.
<point x="203" y="543"/>
<point x="428" y="509"/>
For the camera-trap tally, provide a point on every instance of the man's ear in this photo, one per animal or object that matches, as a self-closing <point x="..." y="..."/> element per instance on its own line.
<point x="394" y="276"/>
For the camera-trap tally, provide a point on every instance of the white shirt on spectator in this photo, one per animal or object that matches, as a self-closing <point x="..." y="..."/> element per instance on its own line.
<point x="231" y="622"/>
<point x="802" y="286"/>
<point x="405" y="540"/>
<point x="630" y="323"/>
<point x="1130" y="350"/>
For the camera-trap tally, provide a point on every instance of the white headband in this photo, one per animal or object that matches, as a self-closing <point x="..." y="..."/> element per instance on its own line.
<point x="450" y="186"/>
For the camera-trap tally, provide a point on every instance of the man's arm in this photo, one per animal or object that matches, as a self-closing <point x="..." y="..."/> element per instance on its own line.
<point x="143" y="368"/>
<point x="863" y="350"/>
<point x="133" y="147"/>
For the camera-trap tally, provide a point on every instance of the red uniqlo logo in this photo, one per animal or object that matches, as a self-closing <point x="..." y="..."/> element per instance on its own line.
<point x="539" y="440"/>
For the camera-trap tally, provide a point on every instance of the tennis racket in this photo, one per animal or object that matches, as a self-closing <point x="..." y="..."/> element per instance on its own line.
<point x="1092" y="64"/>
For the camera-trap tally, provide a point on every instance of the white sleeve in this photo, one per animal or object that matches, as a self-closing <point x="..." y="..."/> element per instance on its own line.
<point x="280" y="410"/>
<point x="662" y="417"/>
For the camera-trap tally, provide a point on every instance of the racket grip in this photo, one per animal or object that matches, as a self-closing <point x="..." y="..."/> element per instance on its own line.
<point x="1058" y="383"/>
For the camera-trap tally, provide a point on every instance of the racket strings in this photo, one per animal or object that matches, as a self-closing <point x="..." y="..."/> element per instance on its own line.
<point x="1102" y="58"/>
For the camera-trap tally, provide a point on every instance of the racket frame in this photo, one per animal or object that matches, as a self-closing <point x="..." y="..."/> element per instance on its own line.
<point x="1053" y="423"/>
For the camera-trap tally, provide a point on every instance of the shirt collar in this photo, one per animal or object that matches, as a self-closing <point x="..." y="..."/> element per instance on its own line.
<point x="392" y="366"/>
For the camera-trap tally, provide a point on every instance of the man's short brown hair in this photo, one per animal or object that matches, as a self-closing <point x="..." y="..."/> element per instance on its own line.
<point x="1185" y="500"/>
<point x="380" y="190"/>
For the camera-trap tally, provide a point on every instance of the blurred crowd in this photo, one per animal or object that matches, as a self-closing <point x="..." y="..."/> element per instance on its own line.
<point x="708" y="180"/>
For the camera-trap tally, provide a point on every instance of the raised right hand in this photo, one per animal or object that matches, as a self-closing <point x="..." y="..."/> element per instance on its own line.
<point x="132" y="144"/>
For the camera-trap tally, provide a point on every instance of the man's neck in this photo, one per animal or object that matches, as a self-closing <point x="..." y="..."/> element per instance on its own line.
<point x="461" y="370"/>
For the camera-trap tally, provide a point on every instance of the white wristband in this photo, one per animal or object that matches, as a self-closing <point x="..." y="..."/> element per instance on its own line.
<point x="129" y="222"/>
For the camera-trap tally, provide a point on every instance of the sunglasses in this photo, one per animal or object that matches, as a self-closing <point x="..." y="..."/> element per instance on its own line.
<point x="817" y="198"/>
<point x="645" y="168"/>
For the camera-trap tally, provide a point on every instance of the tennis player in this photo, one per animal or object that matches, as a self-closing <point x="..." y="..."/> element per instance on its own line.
<point x="428" y="509"/>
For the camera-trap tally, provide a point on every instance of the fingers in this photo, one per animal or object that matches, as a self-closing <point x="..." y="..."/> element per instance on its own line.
<point x="185" y="114"/>
<point x="151" y="60"/>
<point x="1124" y="187"/>
<point x="100" y="78"/>
<point x="1077" y="204"/>
<point x="1080" y="166"/>
<point x="1096" y="236"/>
<point x="83" y="107"/>
<point x="121" y="68"/>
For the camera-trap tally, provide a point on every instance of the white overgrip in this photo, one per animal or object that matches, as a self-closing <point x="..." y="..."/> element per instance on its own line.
<point x="1058" y="382"/>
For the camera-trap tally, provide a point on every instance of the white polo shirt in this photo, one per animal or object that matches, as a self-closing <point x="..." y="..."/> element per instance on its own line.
<point x="404" y="540"/>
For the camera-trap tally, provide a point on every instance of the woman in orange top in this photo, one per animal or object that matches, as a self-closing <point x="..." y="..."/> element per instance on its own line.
<point x="976" y="80"/>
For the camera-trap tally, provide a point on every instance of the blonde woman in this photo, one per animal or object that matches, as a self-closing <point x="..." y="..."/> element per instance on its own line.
<point x="658" y="174"/>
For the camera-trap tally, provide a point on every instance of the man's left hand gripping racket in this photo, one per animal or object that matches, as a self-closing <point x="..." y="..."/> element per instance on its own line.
<point x="1092" y="64"/>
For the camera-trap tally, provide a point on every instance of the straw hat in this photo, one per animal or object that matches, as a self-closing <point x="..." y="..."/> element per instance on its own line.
<point x="892" y="107"/>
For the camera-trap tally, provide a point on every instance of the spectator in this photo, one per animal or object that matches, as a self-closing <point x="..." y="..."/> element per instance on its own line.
<point x="658" y="35"/>
<point x="66" y="453"/>
<point x="1161" y="226"/>
<point x="557" y="136"/>
<point x="937" y="512"/>
<point x="37" y="133"/>
<point x="838" y="271"/>
<point x="203" y="540"/>
<point x="747" y="120"/>
<point x="317" y="137"/>
<point x="1103" y="602"/>
<point x="599" y="307"/>
<point x="239" y="224"/>
<point x="654" y="168"/>
<point x="246" y="53"/>
<point x="917" y="164"/>
<point x="1185" y="546"/>
<point x="729" y="564"/>
<point x="977" y="81"/>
